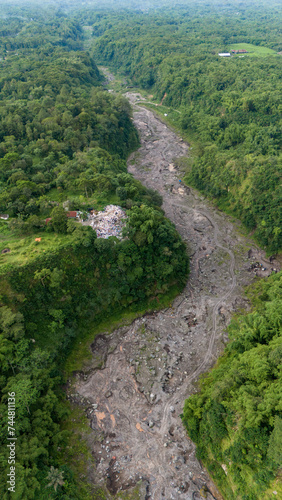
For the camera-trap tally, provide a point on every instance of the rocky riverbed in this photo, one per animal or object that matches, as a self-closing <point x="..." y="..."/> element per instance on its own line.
<point x="134" y="390"/>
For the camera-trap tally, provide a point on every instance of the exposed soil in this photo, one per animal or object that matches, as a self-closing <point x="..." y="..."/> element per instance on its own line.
<point x="134" y="390"/>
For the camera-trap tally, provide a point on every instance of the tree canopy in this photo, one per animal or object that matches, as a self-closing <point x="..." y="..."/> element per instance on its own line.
<point x="230" y="108"/>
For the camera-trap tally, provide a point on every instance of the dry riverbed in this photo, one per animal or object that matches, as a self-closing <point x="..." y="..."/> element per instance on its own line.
<point x="134" y="389"/>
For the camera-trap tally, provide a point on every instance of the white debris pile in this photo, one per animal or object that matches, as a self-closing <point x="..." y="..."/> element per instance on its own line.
<point x="109" y="222"/>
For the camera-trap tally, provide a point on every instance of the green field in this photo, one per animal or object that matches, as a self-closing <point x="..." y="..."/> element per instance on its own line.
<point x="25" y="248"/>
<point x="253" y="50"/>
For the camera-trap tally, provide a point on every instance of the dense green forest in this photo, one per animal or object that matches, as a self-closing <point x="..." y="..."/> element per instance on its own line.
<point x="63" y="138"/>
<point x="236" y="419"/>
<point x="230" y="108"/>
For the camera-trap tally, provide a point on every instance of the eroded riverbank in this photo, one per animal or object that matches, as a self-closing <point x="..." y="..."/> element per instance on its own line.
<point x="148" y="369"/>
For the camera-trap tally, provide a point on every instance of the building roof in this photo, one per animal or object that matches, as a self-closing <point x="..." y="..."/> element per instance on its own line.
<point x="72" y="214"/>
<point x="224" y="54"/>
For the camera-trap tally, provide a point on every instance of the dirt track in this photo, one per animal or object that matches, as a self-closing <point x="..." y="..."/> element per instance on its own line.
<point x="148" y="369"/>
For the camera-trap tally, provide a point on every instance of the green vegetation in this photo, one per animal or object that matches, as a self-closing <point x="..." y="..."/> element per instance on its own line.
<point x="24" y="248"/>
<point x="64" y="141"/>
<point x="230" y="112"/>
<point x="229" y="108"/>
<point x="63" y="144"/>
<point x="252" y="50"/>
<point x="236" y="418"/>
<point x="43" y="303"/>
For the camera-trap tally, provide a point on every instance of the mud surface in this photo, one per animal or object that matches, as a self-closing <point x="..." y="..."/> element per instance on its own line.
<point x="148" y="369"/>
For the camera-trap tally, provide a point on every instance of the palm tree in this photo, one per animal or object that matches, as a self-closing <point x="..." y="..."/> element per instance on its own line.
<point x="55" y="477"/>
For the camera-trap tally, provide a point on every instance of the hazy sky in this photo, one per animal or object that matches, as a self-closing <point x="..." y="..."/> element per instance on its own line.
<point x="140" y="4"/>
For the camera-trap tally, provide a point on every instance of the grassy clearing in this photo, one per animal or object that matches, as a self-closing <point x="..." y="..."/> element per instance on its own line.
<point x="22" y="249"/>
<point x="161" y="110"/>
<point x="253" y="50"/>
<point x="59" y="195"/>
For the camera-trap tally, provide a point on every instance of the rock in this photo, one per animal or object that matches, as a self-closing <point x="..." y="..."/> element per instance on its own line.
<point x="108" y="394"/>
<point x="151" y="424"/>
<point x="172" y="409"/>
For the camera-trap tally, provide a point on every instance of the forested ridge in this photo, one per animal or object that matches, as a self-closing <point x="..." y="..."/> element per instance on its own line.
<point x="63" y="138"/>
<point x="229" y="107"/>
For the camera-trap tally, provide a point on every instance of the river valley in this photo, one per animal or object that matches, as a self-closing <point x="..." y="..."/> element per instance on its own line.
<point x="134" y="389"/>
